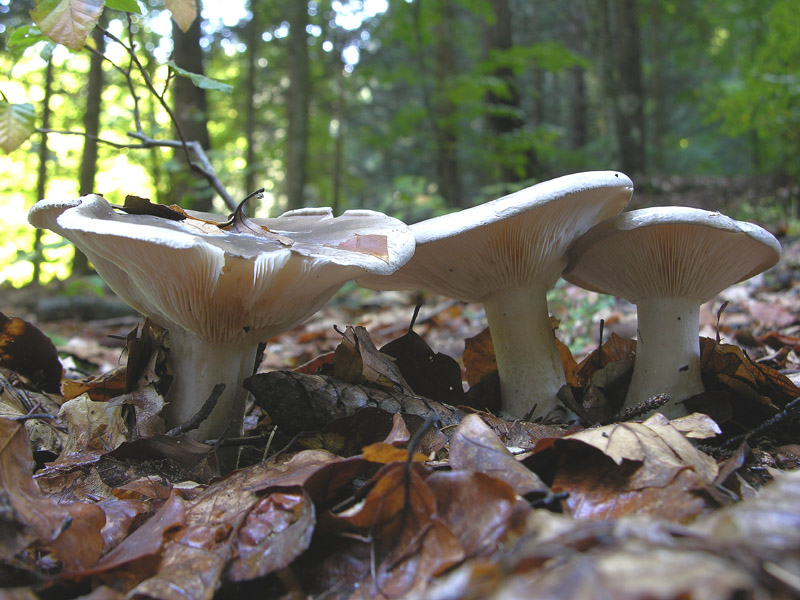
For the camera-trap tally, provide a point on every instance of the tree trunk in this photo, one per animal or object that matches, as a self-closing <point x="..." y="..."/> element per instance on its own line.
<point x="446" y="130"/>
<point x="297" y="101"/>
<point x="579" y="110"/>
<point x="630" y="97"/>
<point x="658" y="119"/>
<point x="503" y="123"/>
<point x="189" y="104"/>
<point x="91" y="125"/>
<point x="41" y="178"/>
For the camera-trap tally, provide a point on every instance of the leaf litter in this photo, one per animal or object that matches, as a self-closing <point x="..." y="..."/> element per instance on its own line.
<point x="371" y="474"/>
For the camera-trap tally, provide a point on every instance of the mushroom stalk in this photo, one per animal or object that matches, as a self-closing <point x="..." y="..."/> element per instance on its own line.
<point x="528" y="362"/>
<point x="667" y="353"/>
<point x="197" y="367"/>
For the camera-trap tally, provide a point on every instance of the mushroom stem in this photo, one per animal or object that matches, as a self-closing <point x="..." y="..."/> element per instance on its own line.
<point x="667" y="353"/>
<point x="197" y="367"/>
<point x="528" y="362"/>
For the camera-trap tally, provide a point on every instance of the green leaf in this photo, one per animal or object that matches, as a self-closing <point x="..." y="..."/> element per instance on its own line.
<point x="183" y="11"/>
<point x="131" y="6"/>
<point x="25" y="36"/>
<point x="67" y="22"/>
<point x="201" y="81"/>
<point x="16" y="124"/>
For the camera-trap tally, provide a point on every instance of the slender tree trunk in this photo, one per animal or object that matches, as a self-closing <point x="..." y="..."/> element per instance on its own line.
<point x="297" y="101"/>
<point x="446" y="131"/>
<point x="191" y="113"/>
<point x="616" y="43"/>
<point x="630" y="126"/>
<point x="658" y="120"/>
<point x="91" y="125"/>
<point x="579" y="110"/>
<point x="503" y="123"/>
<point x="41" y="176"/>
<point x="253" y="37"/>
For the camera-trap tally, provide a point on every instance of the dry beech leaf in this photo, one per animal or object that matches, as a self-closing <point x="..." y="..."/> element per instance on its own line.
<point x="614" y="350"/>
<point x="568" y="362"/>
<point x="600" y="489"/>
<point x="430" y="374"/>
<point x="357" y="360"/>
<point x="100" y="389"/>
<point x="731" y="367"/>
<point x="475" y="447"/>
<point x="135" y="205"/>
<point x="94" y="427"/>
<point x="384" y="454"/>
<point x="479" y="358"/>
<point x="481" y="510"/>
<point x="277" y="530"/>
<point x="148" y="540"/>
<point x="27" y="351"/>
<point x="660" y="446"/>
<point x="770" y="520"/>
<point x="72" y="531"/>
<point x="411" y="543"/>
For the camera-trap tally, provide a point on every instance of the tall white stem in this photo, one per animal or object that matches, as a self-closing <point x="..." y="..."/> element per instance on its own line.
<point x="197" y="367"/>
<point x="667" y="353"/>
<point x="528" y="361"/>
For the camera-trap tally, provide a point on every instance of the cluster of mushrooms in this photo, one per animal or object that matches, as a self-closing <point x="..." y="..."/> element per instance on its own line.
<point x="221" y="286"/>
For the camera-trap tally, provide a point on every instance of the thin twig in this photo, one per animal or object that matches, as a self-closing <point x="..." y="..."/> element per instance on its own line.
<point x="789" y="412"/>
<point x="204" y="168"/>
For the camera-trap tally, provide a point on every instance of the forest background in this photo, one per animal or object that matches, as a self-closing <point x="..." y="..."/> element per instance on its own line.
<point x="411" y="107"/>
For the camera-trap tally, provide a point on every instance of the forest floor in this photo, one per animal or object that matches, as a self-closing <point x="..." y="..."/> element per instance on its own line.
<point x="489" y="508"/>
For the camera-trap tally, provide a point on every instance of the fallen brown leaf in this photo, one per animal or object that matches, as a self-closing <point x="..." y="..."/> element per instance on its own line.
<point x="72" y="531"/>
<point x="475" y="447"/>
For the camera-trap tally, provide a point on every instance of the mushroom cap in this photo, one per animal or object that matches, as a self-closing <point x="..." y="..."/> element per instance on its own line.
<point x="670" y="251"/>
<point x="519" y="239"/>
<point x="227" y="287"/>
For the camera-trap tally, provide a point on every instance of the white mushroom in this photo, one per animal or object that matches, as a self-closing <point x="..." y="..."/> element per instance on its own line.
<point x="506" y="254"/>
<point x="220" y="292"/>
<point x="668" y="261"/>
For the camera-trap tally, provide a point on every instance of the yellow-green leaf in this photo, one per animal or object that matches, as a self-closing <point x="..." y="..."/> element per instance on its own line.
<point x="183" y="11"/>
<point x="16" y="124"/>
<point x="67" y="22"/>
